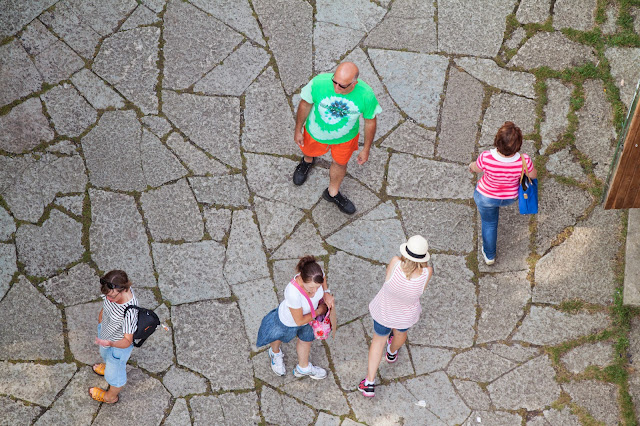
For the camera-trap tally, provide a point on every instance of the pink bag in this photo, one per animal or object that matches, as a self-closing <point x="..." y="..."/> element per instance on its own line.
<point x="321" y="325"/>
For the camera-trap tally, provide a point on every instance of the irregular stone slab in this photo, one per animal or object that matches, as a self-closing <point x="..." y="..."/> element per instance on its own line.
<point x="624" y="63"/>
<point x="77" y="285"/>
<point x="159" y="165"/>
<point x="358" y="14"/>
<point x="416" y="88"/>
<point x="82" y="323"/>
<point x="24" y="127"/>
<point x="305" y="240"/>
<point x="323" y="395"/>
<point x="105" y="16"/>
<point x="354" y="280"/>
<point x="514" y="352"/>
<point x="448" y="307"/>
<point x="505" y="107"/>
<point x="235" y="73"/>
<point x="52" y="246"/>
<point x="113" y="249"/>
<point x="472" y="394"/>
<point x="412" y="139"/>
<point x="581" y="357"/>
<point x="236" y="14"/>
<point x="194" y="43"/>
<point x="270" y="177"/>
<point x="19" y="76"/>
<point x="609" y="26"/>
<point x="72" y="407"/>
<point x="331" y="42"/>
<point x="283" y="271"/>
<point x="7" y="225"/>
<point x="158" y="125"/>
<point x="16" y="412"/>
<point x="410" y="25"/>
<point x="17" y="15"/>
<point x="127" y="60"/>
<point x="57" y="63"/>
<point x="413" y="177"/>
<point x="560" y="206"/>
<point x="288" y="25"/>
<point x="472" y="29"/>
<point x="325" y="419"/>
<point x="70" y="113"/>
<point x="232" y="408"/>
<point x="553" y="50"/>
<point x="157" y="353"/>
<point x="74" y="204"/>
<point x="217" y="222"/>
<point x="155" y="5"/>
<point x="580" y="268"/>
<point x="281" y="409"/>
<point x="555" y="120"/>
<point x="143" y="393"/>
<point x="195" y="345"/>
<point x="182" y="382"/>
<point x="600" y="399"/>
<point x="547" y="326"/>
<point x="276" y="220"/>
<point x="244" y="243"/>
<point x="179" y="414"/>
<point x="428" y="360"/>
<point x="228" y="190"/>
<point x="497" y="418"/>
<point x="36" y="38"/>
<point x="193" y="157"/>
<point x="141" y="16"/>
<point x="35" y="383"/>
<point x="512" y="244"/>
<point x="502" y="299"/>
<point x="437" y="391"/>
<point x="519" y="83"/>
<point x="79" y="35"/>
<point x="564" y="417"/>
<point x="211" y="123"/>
<point x="191" y="271"/>
<point x="461" y="112"/>
<point x="465" y="365"/>
<point x="533" y="11"/>
<point x="531" y="386"/>
<point x="596" y="133"/>
<point x="95" y="90"/>
<point x="349" y="348"/>
<point x="576" y="14"/>
<point x="256" y="299"/>
<point x="516" y="38"/>
<point x="372" y="172"/>
<point x="429" y="218"/>
<point x="7" y="266"/>
<point x="65" y="147"/>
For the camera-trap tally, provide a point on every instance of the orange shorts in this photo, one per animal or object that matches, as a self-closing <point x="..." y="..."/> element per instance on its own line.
<point x="341" y="152"/>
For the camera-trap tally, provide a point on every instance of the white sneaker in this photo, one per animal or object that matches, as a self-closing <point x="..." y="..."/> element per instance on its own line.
<point x="314" y="372"/>
<point x="277" y="362"/>
<point x="486" y="259"/>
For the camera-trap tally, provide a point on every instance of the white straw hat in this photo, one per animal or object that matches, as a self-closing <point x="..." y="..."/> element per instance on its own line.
<point x="416" y="249"/>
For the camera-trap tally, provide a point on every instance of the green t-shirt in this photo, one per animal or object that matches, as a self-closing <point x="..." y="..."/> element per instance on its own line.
<point x="335" y="118"/>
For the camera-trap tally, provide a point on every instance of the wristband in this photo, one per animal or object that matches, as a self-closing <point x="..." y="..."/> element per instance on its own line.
<point x="327" y="291"/>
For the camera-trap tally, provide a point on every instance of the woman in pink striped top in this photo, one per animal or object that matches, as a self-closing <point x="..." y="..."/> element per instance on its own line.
<point x="396" y="307"/>
<point x="498" y="186"/>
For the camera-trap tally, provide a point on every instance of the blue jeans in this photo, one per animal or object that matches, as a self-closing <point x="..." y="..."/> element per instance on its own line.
<point x="115" y="359"/>
<point x="489" y="209"/>
<point x="381" y="330"/>
<point x="272" y="329"/>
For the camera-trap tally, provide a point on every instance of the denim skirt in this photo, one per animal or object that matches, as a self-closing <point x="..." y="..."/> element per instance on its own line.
<point x="272" y="329"/>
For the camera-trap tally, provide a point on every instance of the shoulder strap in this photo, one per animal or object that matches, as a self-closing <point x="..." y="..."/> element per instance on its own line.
<point x="524" y="169"/>
<point x="129" y="307"/>
<point x="304" y="293"/>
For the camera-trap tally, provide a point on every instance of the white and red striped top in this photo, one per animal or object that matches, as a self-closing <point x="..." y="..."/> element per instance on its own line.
<point x="397" y="304"/>
<point x="501" y="174"/>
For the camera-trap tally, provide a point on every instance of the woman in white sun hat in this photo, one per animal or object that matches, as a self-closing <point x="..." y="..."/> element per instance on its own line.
<point x="396" y="307"/>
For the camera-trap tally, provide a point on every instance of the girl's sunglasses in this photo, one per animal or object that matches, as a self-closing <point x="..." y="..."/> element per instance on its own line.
<point x="109" y="285"/>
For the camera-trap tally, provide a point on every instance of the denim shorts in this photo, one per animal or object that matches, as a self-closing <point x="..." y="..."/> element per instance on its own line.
<point x="115" y="359"/>
<point x="272" y="329"/>
<point x="381" y="330"/>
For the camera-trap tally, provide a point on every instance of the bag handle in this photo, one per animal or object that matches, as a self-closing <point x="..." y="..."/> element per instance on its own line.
<point x="304" y="293"/>
<point x="524" y="170"/>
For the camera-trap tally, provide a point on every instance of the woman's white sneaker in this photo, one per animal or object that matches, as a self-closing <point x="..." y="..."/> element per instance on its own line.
<point x="488" y="261"/>
<point x="312" y="371"/>
<point x="277" y="362"/>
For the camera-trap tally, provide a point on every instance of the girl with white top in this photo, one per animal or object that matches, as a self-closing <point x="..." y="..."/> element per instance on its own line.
<point x="291" y="318"/>
<point x="396" y="307"/>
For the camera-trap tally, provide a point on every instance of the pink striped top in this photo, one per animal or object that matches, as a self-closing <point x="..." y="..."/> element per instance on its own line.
<point x="501" y="174"/>
<point x="397" y="304"/>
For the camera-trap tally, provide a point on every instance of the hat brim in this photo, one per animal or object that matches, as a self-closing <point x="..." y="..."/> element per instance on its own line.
<point x="403" y="251"/>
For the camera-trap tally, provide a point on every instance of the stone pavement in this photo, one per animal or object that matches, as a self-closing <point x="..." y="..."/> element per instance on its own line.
<point x="156" y="137"/>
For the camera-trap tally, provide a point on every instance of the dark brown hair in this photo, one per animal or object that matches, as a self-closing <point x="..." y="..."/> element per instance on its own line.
<point x="117" y="278"/>
<point x="508" y="140"/>
<point x="310" y="270"/>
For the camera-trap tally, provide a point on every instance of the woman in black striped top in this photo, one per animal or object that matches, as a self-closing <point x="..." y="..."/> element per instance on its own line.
<point x="115" y="334"/>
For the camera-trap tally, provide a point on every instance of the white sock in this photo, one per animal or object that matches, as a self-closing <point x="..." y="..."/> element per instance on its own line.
<point x="367" y="382"/>
<point x="389" y="350"/>
<point x="308" y="368"/>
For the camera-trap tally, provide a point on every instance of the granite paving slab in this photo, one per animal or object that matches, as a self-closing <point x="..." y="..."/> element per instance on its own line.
<point x="7" y="225"/>
<point x="288" y="26"/>
<point x="197" y="345"/>
<point x="36" y="38"/>
<point x="441" y="398"/>
<point x="64" y="21"/>
<point x="513" y="242"/>
<point x="279" y="408"/>
<point x="235" y="73"/>
<point x="158" y="125"/>
<point x="505" y="107"/>
<point x="190" y="272"/>
<point x="547" y="326"/>
<point x="465" y="365"/>
<point x="321" y="395"/>
<point x="600" y="399"/>
<point x="415" y="81"/>
<point x="304" y="240"/>
<point x="582" y="266"/>
<point x="472" y="29"/>
<point x="600" y="354"/>
<point x="472" y="395"/>
<point x="561" y="417"/>
<point x="283" y="271"/>
<point x="244" y="243"/>
<point x="358" y="14"/>
<point x="256" y="298"/>
<point x="533" y="11"/>
<point x="217" y="222"/>
<point x="325" y="419"/>
<point x="276" y="220"/>
<point x="24" y="127"/>
<point x="514" y="352"/>
<point x="410" y="138"/>
<point x="18" y="75"/>
<point x="17" y="15"/>
<point x="36" y="383"/>
<point x="349" y="349"/>
<point x="52" y="246"/>
<point x="228" y="408"/>
<point x="401" y="368"/>
<point x="194" y="158"/>
<point x="82" y="326"/>
<point x="486" y="70"/>
<point x="624" y="63"/>
<point x="194" y="43"/>
<point x="228" y="190"/>
<point x="104" y="16"/>
<point x="372" y="173"/>
<point x="497" y="418"/>
<point x="553" y="50"/>
<point x="141" y="16"/>
<point x="576" y="14"/>
<point x="111" y="248"/>
<point x="182" y="382"/>
<point x="555" y="120"/>
<point x="77" y="285"/>
<point x="127" y="60"/>
<point x="16" y="412"/>
<point x="331" y="42"/>
<point x="159" y="165"/>
<point x="172" y="213"/>
<point x="236" y="14"/>
<point x="156" y="355"/>
<point x="428" y="360"/>
<point x="609" y="26"/>
<point x="74" y="204"/>
<point x="412" y="177"/>
<point x="410" y="24"/>
<point x="212" y="123"/>
<point x="448" y="305"/>
<point x="502" y="299"/>
<point x="430" y="218"/>
<point x="179" y="415"/>
<point x="71" y="113"/>
<point x="516" y="38"/>
<point x="57" y="63"/>
<point x="64" y="147"/>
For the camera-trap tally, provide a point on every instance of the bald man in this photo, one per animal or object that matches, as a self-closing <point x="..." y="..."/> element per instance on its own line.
<point x="328" y="118"/>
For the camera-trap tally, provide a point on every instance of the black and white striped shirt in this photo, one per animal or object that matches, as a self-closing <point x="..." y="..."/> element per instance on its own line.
<point x="114" y="325"/>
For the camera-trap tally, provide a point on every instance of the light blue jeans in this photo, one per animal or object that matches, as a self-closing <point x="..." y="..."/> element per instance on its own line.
<point x="115" y="359"/>
<point x="489" y="209"/>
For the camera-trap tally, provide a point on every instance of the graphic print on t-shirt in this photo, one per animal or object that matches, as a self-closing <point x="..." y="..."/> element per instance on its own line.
<point x="339" y="114"/>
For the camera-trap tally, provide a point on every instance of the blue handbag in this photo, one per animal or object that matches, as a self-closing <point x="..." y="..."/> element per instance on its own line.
<point x="527" y="193"/>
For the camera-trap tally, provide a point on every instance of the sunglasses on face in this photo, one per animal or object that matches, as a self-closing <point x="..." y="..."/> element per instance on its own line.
<point x="342" y="86"/>
<point x="109" y="285"/>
